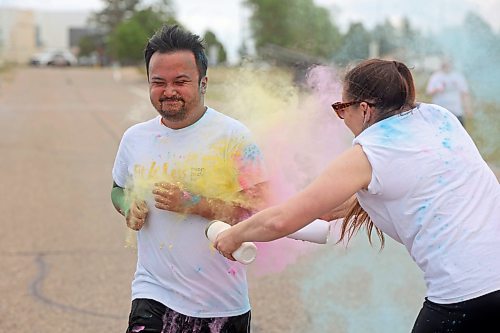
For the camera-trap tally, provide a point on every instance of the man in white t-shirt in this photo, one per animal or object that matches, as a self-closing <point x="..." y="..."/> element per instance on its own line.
<point x="174" y="174"/>
<point x="449" y="89"/>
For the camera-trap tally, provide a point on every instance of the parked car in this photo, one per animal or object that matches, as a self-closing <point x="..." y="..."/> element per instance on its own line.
<point x="54" y="58"/>
<point x="90" y="60"/>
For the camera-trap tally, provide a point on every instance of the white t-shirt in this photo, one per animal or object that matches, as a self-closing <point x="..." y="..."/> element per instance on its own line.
<point x="215" y="157"/>
<point x="453" y="85"/>
<point x="432" y="191"/>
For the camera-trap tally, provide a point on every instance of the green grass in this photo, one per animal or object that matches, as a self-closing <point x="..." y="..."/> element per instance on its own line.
<point x="6" y="68"/>
<point x="7" y="71"/>
<point x="485" y="130"/>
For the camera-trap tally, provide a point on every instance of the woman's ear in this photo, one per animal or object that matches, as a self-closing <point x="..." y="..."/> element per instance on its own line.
<point x="364" y="109"/>
<point x="367" y="113"/>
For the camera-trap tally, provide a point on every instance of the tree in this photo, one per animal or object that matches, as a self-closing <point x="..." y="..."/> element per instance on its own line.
<point x="297" y="25"/>
<point x="214" y="45"/>
<point x="414" y="44"/>
<point x="87" y="45"/>
<point x="114" y="13"/>
<point x="127" y="24"/>
<point x="126" y="43"/>
<point x="243" y="50"/>
<point x="387" y="37"/>
<point x="475" y="48"/>
<point x="165" y="7"/>
<point x="355" y="44"/>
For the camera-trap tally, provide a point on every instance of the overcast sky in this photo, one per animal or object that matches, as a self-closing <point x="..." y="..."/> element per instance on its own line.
<point x="228" y="19"/>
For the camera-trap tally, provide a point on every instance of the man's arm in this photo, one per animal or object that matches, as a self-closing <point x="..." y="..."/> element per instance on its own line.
<point x="255" y="199"/>
<point x="434" y="86"/>
<point x="173" y="198"/>
<point x="119" y="200"/>
<point x="135" y="212"/>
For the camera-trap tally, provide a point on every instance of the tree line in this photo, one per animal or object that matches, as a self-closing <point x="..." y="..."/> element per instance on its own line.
<point x="292" y="29"/>
<point x="298" y="33"/>
<point x="122" y="27"/>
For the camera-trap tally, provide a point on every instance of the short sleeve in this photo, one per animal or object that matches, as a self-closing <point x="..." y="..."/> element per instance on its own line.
<point x="433" y="83"/>
<point x="248" y="159"/>
<point x="120" y="168"/>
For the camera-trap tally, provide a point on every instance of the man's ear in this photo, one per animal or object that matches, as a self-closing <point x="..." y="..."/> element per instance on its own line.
<point x="203" y="85"/>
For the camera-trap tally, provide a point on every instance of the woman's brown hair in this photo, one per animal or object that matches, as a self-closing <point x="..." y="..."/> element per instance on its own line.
<point x="389" y="86"/>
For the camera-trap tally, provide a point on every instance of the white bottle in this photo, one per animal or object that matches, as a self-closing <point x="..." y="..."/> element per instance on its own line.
<point x="245" y="254"/>
<point x="317" y="231"/>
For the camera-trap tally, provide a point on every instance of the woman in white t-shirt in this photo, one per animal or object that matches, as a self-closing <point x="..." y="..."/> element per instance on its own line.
<point x="414" y="174"/>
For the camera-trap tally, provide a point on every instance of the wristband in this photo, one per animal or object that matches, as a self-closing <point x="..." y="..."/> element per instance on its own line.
<point x="190" y="199"/>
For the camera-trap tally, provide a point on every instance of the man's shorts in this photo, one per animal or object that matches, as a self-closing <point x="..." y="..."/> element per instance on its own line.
<point x="149" y="316"/>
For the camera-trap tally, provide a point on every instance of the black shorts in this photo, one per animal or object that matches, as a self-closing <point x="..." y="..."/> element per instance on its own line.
<point x="479" y="314"/>
<point x="149" y="316"/>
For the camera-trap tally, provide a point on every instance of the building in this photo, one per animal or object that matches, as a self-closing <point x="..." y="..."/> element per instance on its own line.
<point x="24" y="32"/>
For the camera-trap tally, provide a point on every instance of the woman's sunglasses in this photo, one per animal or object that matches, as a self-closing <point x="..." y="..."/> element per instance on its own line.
<point x="340" y="107"/>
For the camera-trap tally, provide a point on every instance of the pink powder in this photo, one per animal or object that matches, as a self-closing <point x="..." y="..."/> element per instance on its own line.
<point x="297" y="146"/>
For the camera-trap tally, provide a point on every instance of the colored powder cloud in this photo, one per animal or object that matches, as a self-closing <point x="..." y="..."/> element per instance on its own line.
<point x="298" y="133"/>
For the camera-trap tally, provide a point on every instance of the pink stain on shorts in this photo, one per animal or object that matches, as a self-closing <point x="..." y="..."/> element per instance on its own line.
<point x="217" y="324"/>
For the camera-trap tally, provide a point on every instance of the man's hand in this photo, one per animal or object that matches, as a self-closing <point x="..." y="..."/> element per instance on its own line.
<point x="173" y="198"/>
<point x="136" y="215"/>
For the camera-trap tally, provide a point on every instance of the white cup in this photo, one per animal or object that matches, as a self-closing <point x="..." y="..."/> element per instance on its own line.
<point x="245" y="254"/>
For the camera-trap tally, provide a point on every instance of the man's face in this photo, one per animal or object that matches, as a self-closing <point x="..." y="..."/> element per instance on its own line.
<point x="174" y="89"/>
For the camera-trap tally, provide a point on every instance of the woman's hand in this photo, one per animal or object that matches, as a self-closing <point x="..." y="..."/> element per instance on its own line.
<point x="137" y="214"/>
<point x="226" y="243"/>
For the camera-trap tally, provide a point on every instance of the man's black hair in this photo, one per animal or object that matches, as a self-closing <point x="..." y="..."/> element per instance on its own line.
<point x="172" y="38"/>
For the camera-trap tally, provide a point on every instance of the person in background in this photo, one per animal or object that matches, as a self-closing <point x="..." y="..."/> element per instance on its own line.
<point x="174" y="174"/>
<point x="448" y="88"/>
<point x="417" y="177"/>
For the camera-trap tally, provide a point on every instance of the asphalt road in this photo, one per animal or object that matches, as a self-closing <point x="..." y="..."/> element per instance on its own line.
<point x="62" y="248"/>
<point x="65" y="268"/>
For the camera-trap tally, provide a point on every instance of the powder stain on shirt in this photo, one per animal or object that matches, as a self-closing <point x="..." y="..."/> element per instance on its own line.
<point x="446" y="143"/>
<point x="232" y="271"/>
<point x="212" y="175"/>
